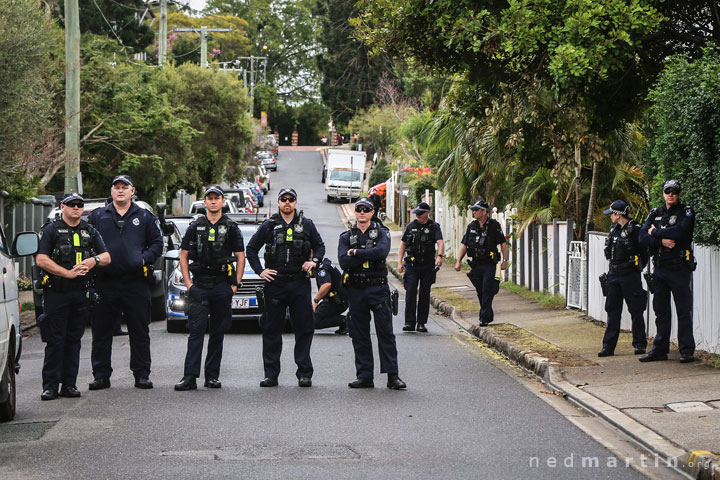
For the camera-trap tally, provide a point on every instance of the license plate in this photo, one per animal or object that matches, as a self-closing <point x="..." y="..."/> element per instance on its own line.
<point x="243" y="302"/>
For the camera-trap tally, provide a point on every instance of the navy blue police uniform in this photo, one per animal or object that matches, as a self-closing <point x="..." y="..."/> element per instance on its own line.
<point x="673" y="269"/>
<point x="367" y="285"/>
<point x="211" y="247"/>
<point x="66" y="302"/>
<point x="287" y="247"/>
<point x="482" y="243"/>
<point x="420" y="240"/>
<point x="329" y="310"/>
<point x="134" y="242"/>
<point x="626" y="259"/>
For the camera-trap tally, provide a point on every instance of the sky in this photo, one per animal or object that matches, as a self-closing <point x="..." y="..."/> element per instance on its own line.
<point x="197" y="4"/>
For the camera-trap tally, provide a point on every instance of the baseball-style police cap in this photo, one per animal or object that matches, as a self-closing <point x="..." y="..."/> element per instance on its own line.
<point x="123" y="178"/>
<point x="365" y="202"/>
<point x="421" y="208"/>
<point x="672" y="185"/>
<point x="618" y="206"/>
<point x="214" y="189"/>
<point x="287" y="191"/>
<point x="72" y="196"/>
<point x="479" y="204"/>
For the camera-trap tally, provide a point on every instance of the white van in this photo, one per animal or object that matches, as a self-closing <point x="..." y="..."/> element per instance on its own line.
<point x="344" y="174"/>
<point x="25" y="243"/>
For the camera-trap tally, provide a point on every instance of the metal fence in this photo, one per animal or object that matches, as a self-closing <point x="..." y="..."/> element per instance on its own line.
<point x="28" y="217"/>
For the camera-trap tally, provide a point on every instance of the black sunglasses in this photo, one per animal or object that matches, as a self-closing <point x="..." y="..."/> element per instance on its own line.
<point x="287" y="199"/>
<point x="75" y="205"/>
<point x="363" y="209"/>
<point x="673" y="191"/>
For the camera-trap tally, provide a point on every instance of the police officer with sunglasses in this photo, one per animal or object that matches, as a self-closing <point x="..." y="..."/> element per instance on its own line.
<point x="668" y="234"/>
<point x="293" y="250"/>
<point x="362" y="252"/>
<point x="70" y="248"/>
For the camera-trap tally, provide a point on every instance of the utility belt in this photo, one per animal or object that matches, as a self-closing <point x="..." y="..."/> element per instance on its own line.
<point x="208" y="282"/>
<point x="336" y="298"/>
<point x="685" y="258"/>
<point x="630" y="266"/>
<point x="361" y="280"/>
<point x="60" y="284"/>
<point x="288" y="277"/>
<point x="123" y="277"/>
<point x="418" y="261"/>
<point x="482" y="259"/>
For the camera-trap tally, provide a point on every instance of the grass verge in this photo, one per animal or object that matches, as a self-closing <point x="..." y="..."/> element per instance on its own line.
<point x="456" y="300"/>
<point x="392" y="226"/>
<point x="543" y="298"/>
<point x="27" y="306"/>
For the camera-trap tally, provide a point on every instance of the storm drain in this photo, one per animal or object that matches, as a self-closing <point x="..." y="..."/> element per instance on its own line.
<point x="268" y="452"/>
<point x="689" y="407"/>
<point x="24" y="432"/>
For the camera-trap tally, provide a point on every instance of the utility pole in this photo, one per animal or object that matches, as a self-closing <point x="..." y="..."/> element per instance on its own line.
<point x="252" y="76"/>
<point x="72" y="96"/>
<point x="203" y="40"/>
<point x="162" y="44"/>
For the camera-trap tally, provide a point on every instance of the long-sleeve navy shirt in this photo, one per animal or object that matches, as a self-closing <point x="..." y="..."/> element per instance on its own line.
<point x="379" y="252"/>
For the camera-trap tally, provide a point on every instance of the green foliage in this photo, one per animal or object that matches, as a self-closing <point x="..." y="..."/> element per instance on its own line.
<point x="29" y="79"/>
<point x="380" y="172"/>
<point x="686" y="112"/>
<point x="419" y="185"/>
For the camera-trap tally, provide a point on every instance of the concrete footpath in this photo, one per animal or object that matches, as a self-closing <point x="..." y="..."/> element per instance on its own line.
<point x="672" y="409"/>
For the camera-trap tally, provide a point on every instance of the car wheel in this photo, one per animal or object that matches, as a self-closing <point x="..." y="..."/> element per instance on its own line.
<point x="7" y="387"/>
<point x="329" y="199"/>
<point x="158" y="309"/>
<point x="177" y="326"/>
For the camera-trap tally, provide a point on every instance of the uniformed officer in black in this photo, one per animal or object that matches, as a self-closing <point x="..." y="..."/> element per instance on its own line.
<point x="215" y="245"/>
<point x="668" y="235"/>
<point x="133" y="238"/>
<point x="293" y="248"/>
<point x="330" y="301"/>
<point x="362" y="251"/>
<point x="420" y="264"/>
<point x="69" y="249"/>
<point x="626" y="260"/>
<point x="480" y="242"/>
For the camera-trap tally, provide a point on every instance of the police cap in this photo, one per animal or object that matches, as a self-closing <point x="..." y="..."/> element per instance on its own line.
<point x="672" y="185"/>
<point x="123" y="178"/>
<point x="69" y="197"/>
<point x="287" y="191"/>
<point x="365" y="202"/>
<point x="479" y="204"/>
<point x="421" y="208"/>
<point x="214" y="189"/>
<point x="618" y="206"/>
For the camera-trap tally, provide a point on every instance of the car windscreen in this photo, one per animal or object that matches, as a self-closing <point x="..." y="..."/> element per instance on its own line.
<point x="346" y="175"/>
<point x="247" y="233"/>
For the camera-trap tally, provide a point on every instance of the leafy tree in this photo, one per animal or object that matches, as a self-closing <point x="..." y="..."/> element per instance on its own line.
<point x="30" y="73"/>
<point x="380" y="172"/>
<point x="686" y="143"/>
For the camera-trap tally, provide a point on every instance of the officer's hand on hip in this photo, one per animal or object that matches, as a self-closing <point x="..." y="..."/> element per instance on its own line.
<point x="309" y="265"/>
<point x="268" y="274"/>
<point x="234" y="288"/>
<point x="504" y="265"/>
<point x="668" y="243"/>
<point x="401" y="267"/>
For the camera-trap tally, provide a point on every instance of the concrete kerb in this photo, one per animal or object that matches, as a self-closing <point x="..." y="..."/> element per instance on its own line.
<point x="697" y="464"/>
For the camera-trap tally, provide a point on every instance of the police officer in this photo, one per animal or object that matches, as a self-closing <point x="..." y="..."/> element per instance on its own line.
<point x="293" y="248"/>
<point x="133" y="238"/>
<point x="331" y="299"/>
<point x="668" y="234"/>
<point x="480" y="241"/>
<point x="362" y="251"/>
<point x="420" y="265"/>
<point x="627" y="259"/>
<point x="213" y="242"/>
<point x="69" y="249"/>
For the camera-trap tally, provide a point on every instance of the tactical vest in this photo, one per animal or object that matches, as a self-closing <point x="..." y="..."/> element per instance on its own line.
<point x="479" y="247"/>
<point x="420" y="247"/>
<point x="72" y="246"/>
<point x="682" y="251"/>
<point x="370" y="272"/>
<point x="289" y="244"/>
<point x="210" y="250"/>
<point x="619" y="247"/>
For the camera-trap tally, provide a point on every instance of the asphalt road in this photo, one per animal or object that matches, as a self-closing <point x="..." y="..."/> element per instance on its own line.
<point x="465" y="413"/>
